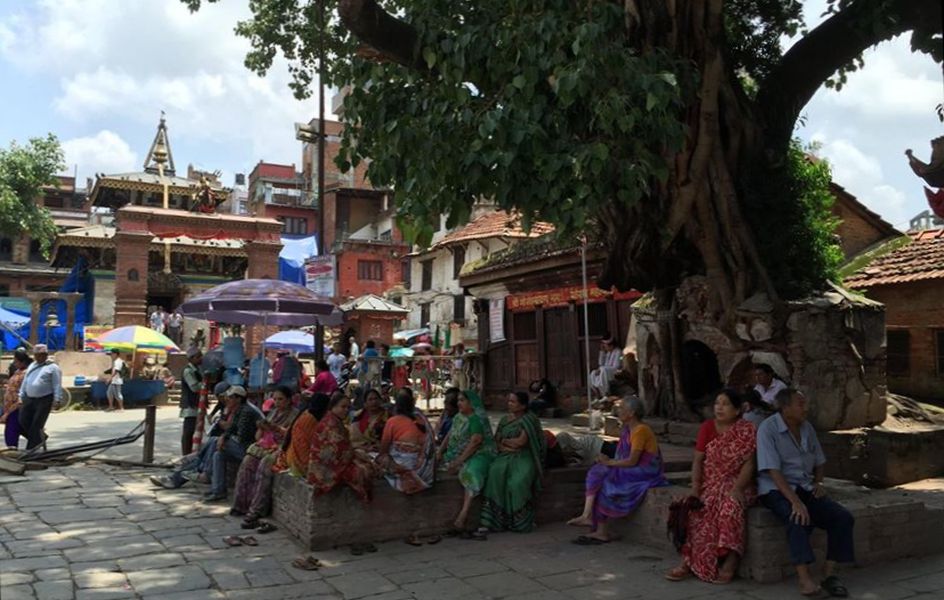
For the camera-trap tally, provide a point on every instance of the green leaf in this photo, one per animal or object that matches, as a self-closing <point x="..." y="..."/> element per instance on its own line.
<point x="429" y="56"/>
<point x="519" y="81"/>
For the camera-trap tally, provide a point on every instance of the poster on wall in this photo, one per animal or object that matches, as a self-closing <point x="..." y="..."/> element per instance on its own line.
<point x="320" y="275"/>
<point x="496" y="320"/>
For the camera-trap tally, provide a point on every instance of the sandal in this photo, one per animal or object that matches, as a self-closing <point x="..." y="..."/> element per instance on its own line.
<point x="434" y="540"/>
<point x="307" y="563"/>
<point x="414" y="540"/>
<point x="250" y="541"/>
<point x="678" y="574"/>
<point x="267" y="527"/>
<point x="832" y="586"/>
<point x="585" y="540"/>
<point x="233" y="540"/>
<point x="250" y="524"/>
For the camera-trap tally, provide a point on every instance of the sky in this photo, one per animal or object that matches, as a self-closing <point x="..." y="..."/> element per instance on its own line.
<point x="97" y="73"/>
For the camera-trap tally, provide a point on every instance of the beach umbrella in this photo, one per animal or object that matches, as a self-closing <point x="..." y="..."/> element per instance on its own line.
<point x="422" y="346"/>
<point x="262" y="302"/>
<point x="293" y="339"/>
<point x="135" y="338"/>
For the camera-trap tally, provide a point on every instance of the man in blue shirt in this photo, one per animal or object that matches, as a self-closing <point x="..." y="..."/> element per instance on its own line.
<point x="42" y="385"/>
<point x="790" y="483"/>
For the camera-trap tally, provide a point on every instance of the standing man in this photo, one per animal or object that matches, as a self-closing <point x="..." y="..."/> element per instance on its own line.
<point x="191" y="384"/>
<point x="157" y="319"/>
<point x="355" y="352"/>
<point x="175" y="324"/>
<point x="790" y="483"/>
<point x="115" y="381"/>
<point x="336" y="360"/>
<point x="42" y="385"/>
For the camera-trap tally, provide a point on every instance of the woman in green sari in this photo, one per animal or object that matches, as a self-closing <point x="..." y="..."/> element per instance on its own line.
<point x="468" y="450"/>
<point x="514" y="477"/>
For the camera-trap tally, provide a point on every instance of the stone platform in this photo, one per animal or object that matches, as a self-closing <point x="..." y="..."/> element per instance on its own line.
<point x="880" y="457"/>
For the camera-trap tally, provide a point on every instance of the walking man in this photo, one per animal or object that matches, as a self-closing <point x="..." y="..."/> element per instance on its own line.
<point x="175" y="323"/>
<point x="115" y="381"/>
<point x="42" y="385"/>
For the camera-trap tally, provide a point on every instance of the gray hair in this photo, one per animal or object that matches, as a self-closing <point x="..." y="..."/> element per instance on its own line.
<point x="634" y="404"/>
<point x="785" y="397"/>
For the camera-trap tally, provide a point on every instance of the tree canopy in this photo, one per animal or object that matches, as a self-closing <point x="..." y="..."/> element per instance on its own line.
<point x="24" y="171"/>
<point x="662" y="125"/>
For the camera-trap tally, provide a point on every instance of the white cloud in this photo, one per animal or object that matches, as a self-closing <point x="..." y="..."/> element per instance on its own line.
<point x="104" y="152"/>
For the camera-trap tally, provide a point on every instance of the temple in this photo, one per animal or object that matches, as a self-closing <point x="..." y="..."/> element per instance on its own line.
<point x="155" y="238"/>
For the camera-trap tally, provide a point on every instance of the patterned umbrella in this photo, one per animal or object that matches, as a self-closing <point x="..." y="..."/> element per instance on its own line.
<point x="255" y="301"/>
<point x="134" y="338"/>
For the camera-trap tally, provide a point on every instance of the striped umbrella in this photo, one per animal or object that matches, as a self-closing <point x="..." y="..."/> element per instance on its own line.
<point x="134" y="338"/>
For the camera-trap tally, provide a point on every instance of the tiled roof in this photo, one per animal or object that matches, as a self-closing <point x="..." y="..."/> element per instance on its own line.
<point x="373" y="303"/>
<point x="921" y="259"/>
<point x="493" y="224"/>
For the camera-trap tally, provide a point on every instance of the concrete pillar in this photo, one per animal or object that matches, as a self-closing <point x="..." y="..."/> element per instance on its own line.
<point x="70" y="321"/>
<point x="131" y="278"/>
<point x="36" y="307"/>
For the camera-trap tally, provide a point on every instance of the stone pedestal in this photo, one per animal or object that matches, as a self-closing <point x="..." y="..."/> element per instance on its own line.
<point x="830" y="346"/>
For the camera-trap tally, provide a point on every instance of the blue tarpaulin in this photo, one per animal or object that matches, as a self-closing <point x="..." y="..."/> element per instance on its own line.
<point x="78" y="280"/>
<point x="295" y="251"/>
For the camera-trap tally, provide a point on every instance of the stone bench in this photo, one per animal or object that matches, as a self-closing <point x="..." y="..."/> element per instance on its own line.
<point x="889" y="525"/>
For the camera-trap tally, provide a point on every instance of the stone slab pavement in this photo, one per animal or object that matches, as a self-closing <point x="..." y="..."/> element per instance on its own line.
<point x="93" y="531"/>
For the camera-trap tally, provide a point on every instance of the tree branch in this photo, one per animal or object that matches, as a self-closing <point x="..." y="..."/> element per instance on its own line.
<point x="834" y="43"/>
<point x="392" y="38"/>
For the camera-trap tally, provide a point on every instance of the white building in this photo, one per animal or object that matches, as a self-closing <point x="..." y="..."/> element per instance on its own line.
<point x="435" y="298"/>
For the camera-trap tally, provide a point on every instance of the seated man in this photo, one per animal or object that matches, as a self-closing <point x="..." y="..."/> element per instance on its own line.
<point x="234" y="441"/>
<point x="608" y="363"/>
<point x="790" y="483"/>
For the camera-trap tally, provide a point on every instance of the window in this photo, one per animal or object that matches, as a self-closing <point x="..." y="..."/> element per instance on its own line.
<point x="406" y="272"/>
<point x="939" y="338"/>
<point x="458" y="308"/>
<point x="370" y="270"/>
<point x="427" y="275"/>
<point x="458" y="259"/>
<point x="898" y="351"/>
<point x="424" y="314"/>
<point x="4" y="289"/>
<point x="6" y="249"/>
<point x="35" y="252"/>
<point x="526" y="326"/>
<point x="294" y="225"/>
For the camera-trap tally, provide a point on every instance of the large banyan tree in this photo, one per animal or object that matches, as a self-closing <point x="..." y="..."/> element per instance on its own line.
<point x="661" y="127"/>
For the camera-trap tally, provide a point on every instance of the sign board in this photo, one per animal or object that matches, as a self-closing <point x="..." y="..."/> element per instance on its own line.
<point x="90" y="335"/>
<point x="496" y="320"/>
<point x="320" y="275"/>
<point x="563" y="296"/>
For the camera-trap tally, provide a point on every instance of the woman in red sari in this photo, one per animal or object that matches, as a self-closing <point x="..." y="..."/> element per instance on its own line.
<point x="332" y="460"/>
<point x="722" y="477"/>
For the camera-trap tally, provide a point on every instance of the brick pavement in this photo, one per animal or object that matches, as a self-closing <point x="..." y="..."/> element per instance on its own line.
<point x="99" y="532"/>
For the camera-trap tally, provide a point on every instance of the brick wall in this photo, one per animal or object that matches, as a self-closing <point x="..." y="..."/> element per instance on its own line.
<point x="350" y="286"/>
<point x="275" y="211"/>
<point x="855" y="233"/>
<point x="918" y="307"/>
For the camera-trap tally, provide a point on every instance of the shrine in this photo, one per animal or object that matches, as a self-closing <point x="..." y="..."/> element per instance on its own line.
<point x="156" y="238"/>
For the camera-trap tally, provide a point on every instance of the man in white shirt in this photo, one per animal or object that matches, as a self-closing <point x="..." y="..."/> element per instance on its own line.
<point x="336" y="360"/>
<point x="355" y="349"/>
<point x="157" y="319"/>
<point x="767" y="384"/>
<point x="42" y="385"/>
<point x="115" y="381"/>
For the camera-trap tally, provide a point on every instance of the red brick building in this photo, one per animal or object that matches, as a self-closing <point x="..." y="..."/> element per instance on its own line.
<point x="280" y="192"/>
<point x="909" y="280"/>
<point x="859" y="228"/>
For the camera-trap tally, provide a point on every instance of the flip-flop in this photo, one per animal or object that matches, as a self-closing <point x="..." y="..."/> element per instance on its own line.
<point x="250" y="541"/>
<point x="307" y="563"/>
<point x="414" y="541"/>
<point x="249" y="524"/>
<point x="585" y="540"/>
<point x="832" y="586"/>
<point x="266" y="527"/>
<point x="233" y="540"/>
<point x="434" y="540"/>
<point x="678" y="574"/>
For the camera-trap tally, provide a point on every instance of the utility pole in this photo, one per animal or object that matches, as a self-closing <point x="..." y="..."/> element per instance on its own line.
<point x="319" y="328"/>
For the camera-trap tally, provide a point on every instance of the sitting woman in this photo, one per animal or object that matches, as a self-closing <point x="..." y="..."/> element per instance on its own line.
<point x="468" y="450"/>
<point x="722" y="474"/>
<point x="254" y="481"/>
<point x="514" y="477"/>
<point x="407" y="447"/>
<point x="297" y="445"/>
<point x="616" y="486"/>
<point x="333" y="460"/>
<point x="368" y="424"/>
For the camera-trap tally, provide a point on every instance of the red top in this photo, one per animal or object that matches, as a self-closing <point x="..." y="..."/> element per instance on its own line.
<point x="324" y="383"/>
<point x="706" y="433"/>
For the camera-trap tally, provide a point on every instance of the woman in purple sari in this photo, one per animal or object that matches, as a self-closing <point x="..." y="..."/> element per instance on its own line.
<point x="616" y="486"/>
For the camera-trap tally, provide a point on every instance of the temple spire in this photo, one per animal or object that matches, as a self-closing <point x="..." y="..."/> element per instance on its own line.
<point x="160" y="155"/>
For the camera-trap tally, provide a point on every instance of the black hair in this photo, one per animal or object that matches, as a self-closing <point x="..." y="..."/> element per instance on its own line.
<point x="369" y="344"/>
<point x="318" y="405"/>
<point x="385" y="346"/>
<point x="451" y="396"/>
<point x="733" y="396"/>
<point x="322" y="365"/>
<point x="754" y="398"/>
<point x="405" y="403"/>
<point x="374" y="391"/>
<point x="765" y="368"/>
<point x="336" y="399"/>
<point x="522" y="398"/>
<point x="23" y="356"/>
<point x="285" y="391"/>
